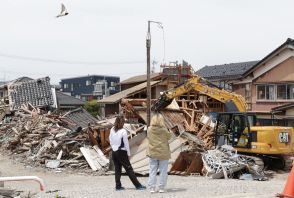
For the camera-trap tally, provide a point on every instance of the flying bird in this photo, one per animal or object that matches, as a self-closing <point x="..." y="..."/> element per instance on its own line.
<point x="63" y="11"/>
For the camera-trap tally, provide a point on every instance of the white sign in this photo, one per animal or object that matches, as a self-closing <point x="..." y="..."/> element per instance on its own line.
<point x="284" y="137"/>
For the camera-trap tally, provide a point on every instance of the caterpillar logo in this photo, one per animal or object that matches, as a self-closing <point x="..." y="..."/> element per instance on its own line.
<point x="284" y="137"/>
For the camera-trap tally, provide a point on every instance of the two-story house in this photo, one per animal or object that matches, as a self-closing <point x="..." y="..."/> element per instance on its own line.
<point x="266" y="84"/>
<point x="90" y="87"/>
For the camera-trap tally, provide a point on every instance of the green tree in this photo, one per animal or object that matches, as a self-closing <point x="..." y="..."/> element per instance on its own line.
<point x="92" y="107"/>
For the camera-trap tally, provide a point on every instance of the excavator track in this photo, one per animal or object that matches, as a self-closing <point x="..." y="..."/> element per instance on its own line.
<point x="255" y="164"/>
<point x="258" y="163"/>
<point x="288" y="161"/>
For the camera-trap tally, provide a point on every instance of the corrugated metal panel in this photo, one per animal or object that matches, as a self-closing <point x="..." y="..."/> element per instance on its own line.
<point x="123" y="94"/>
<point x="172" y="119"/>
<point x="140" y="161"/>
<point x="140" y="78"/>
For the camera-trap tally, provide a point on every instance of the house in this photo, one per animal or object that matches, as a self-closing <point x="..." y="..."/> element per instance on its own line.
<point x="135" y="87"/>
<point x="285" y="113"/>
<point x="270" y="82"/>
<point x="223" y="75"/>
<point x="25" y="90"/>
<point x="265" y="84"/>
<point x="66" y="102"/>
<point x="136" y="80"/>
<point x="38" y="92"/>
<point x="90" y="87"/>
<point x="111" y="105"/>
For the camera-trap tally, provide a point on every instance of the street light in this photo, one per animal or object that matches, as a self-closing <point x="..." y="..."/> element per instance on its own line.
<point x="148" y="46"/>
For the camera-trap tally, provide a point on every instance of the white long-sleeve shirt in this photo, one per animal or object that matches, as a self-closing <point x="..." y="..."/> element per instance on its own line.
<point x="115" y="140"/>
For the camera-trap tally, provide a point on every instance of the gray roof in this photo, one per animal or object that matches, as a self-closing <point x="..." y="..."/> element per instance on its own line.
<point x="66" y="100"/>
<point x="93" y="75"/>
<point x="79" y="117"/>
<point x="229" y="71"/>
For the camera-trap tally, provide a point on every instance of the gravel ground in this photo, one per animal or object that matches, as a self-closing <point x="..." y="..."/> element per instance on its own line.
<point x="81" y="185"/>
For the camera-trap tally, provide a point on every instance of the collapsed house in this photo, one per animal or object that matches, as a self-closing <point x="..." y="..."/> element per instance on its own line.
<point x="39" y="127"/>
<point x="74" y="139"/>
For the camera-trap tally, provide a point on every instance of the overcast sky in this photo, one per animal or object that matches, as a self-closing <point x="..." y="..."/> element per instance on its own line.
<point x="109" y="35"/>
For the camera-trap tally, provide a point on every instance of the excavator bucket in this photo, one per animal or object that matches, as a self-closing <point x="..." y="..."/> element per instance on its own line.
<point x="161" y="103"/>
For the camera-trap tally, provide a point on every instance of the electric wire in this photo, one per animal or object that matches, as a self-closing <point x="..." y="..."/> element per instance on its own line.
<point x="66" y="61"/>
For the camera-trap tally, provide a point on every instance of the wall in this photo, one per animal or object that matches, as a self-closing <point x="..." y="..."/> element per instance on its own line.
<point x="111" y="109"/>
<point x="239" y="89"/>
<point x="290" y="112"/>
<point x="284" y="72"/>
<point x="127" y="86"/>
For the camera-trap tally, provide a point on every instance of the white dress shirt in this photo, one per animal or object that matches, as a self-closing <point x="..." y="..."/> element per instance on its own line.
<point x="115" y="140"/>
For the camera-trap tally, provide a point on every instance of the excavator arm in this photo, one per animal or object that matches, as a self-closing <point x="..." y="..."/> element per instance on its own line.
<point x="232" y="101"/>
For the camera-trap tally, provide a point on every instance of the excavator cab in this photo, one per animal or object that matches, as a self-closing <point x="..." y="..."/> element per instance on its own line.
<point x="234" y="129"/>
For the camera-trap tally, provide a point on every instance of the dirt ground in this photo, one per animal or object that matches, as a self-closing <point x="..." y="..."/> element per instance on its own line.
<point x="80" y="185"/>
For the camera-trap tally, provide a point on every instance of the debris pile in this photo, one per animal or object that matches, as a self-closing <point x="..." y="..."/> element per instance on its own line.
<point x="45" y="139"/>
<point x="222" y="162"/>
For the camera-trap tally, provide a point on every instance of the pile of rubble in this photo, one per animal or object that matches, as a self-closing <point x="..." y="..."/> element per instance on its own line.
<point x="224" y="162"/>
<point x="38" y="138"/>
<point x="31" y="133"/>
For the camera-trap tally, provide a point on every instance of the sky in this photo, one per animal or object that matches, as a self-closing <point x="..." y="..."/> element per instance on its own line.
<point x="108" y="37"/>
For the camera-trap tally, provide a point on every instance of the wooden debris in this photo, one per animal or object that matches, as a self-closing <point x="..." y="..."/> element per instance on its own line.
<point x="92" y="158"/>
<point x="40" y="138"/>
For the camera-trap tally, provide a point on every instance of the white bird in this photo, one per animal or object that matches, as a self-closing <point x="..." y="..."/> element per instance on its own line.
<point x="63" y="11"/>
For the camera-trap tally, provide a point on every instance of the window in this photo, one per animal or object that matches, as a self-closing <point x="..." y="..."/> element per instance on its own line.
<point x="270" y="92"/>
<point x="222" y="84"/>
<point x="275" y="92"/>
<point x="98" y="88"/>
<point x="112" y="88"/>
<point x="290" y="91"/>
<point x="281" y="92"/>
<point x="65" y="86"/>
<point x="112" y="84"/>
<point x="88" y="82"/>
<point x="261" y="92"/>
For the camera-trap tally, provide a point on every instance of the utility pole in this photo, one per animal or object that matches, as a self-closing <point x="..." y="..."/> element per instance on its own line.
<point x="148" y="46"/>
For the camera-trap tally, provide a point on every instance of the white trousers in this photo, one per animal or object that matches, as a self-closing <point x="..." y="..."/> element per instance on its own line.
<point x="155" y="166"/>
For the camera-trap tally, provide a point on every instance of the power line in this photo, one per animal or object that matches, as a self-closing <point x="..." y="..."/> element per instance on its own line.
<point x="67" y="61"/>
<point x="58" y="74"/>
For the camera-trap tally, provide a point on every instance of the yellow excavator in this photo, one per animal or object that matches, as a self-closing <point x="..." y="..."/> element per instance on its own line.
<point x="262" y="145"/>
